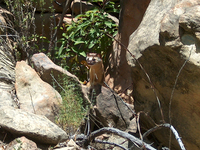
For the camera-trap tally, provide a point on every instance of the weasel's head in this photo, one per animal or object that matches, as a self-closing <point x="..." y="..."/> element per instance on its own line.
<point x="93" y="58"/>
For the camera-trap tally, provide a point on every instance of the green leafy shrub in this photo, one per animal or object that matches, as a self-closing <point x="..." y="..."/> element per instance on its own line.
<point x="89" y="33"/>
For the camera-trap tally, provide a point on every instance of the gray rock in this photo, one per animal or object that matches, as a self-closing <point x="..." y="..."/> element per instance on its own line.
<point x="33" y="126"/>
<point x="111" y="111"/>
<point x="14" y="120"/>
<point x="50" y="72"/>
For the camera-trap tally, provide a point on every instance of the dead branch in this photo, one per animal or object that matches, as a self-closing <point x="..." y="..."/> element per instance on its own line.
<point x="171" y="128"/>
<point x="85" y="140"/>
<point x="172" y="94"/>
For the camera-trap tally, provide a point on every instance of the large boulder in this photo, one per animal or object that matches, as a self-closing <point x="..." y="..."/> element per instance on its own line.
<point x="56" y="76"/>
<point x="35" y="95"/>
<point x="7" y="61"/>
<point x="35" y="127"/>
<point x="167" y="46"/>
<point x="112" y="111"/>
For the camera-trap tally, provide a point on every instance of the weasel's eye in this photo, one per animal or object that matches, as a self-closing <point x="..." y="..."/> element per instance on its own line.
<point x="93" y="59"/>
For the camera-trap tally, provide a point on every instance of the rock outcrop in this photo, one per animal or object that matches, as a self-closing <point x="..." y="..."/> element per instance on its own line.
<point x="45" y="21"/>
<point x="166" y="44"/>
<point x="49" y="5"/>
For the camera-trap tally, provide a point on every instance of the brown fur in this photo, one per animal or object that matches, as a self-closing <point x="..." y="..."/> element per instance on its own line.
<point x="96" y="72"/>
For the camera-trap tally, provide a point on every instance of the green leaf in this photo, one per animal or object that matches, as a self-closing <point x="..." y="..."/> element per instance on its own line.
<point x="92" y="17"/>
<point x="79" y="42"/>
<point x="92" y="31"/>
<point x="108" y="23"/>
<point x="83" y="53"/>
<point x="74" y="49"/>
<point x="60" y="50"/>
<point x="91" y="45"/>
<point x="96" y="1"/>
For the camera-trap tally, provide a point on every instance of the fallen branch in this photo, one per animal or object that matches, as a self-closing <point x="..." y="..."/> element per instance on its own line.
<point x="85" y="140"/>
<point x="171" y="128"/>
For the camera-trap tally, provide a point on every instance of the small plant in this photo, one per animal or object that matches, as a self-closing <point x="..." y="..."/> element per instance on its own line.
<point x="24" y="23"/>
<point x="18" y="147"/>
<point x="72" y="110"/>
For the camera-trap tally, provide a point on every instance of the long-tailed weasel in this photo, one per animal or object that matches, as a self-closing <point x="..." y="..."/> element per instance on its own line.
<point x="96" y="72"/>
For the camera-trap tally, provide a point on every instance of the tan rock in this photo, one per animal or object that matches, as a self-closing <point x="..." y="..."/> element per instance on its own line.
<point x="22" y="143"/>
<point x="56" y="75"/>
<point x="71" y="145"/>
<point x="35" y="95"/>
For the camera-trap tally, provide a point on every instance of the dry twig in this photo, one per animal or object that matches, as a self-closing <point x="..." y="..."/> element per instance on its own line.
<point x="171" y="128"/>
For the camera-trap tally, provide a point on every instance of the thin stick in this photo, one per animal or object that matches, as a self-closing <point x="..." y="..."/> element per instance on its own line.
<point x="58" y="83"/>
<point x="167" y="125"/>
<point x="138" y="125"/>
<point x="172" y="94"/>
